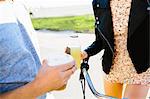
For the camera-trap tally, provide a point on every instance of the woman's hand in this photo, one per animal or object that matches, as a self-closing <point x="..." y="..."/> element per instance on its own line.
<point x="84" y="55"/>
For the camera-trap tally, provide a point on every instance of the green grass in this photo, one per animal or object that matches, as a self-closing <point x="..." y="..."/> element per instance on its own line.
<point x="75" y="23"/>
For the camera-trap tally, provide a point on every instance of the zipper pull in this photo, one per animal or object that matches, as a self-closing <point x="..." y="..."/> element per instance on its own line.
<point x="148" y="8"/>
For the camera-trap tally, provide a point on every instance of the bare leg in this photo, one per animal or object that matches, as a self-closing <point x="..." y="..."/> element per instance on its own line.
<point x="136" y="91"/>
<point x="113" y="89"/>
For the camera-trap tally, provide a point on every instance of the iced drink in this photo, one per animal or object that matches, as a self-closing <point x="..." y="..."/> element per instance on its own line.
<point x="75" y="52"/>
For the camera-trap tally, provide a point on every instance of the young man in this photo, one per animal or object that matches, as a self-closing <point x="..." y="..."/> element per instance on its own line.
<point x="22" y="76"/>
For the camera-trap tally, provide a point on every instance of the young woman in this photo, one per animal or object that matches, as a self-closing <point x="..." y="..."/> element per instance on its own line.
<point x="22" y="76"/>
<point x="122" y="29"/>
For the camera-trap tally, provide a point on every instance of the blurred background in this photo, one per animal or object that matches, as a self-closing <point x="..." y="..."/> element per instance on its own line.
<point x="74" y="15"/>
<point x="49" y="8"/>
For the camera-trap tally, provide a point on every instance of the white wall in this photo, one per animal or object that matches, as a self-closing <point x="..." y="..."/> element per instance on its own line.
<point x="56" y="3"/>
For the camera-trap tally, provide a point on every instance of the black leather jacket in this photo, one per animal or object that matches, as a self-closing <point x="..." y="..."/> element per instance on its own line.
<point x="138" y="34"/>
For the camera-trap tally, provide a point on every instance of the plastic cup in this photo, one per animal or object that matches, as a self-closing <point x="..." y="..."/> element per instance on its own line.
<point x="75" y="52"/>
<point x="56" y="59"/>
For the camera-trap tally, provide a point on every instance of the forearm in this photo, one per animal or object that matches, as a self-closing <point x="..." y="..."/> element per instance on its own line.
<point x="28" y="91"/>
<point x="45" y="81"/>
<point x="93" y="49"/>
<point x="96" y="46"/>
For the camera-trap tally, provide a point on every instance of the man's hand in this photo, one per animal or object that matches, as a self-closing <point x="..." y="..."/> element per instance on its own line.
<point x="48" y="79"/>
<point x="54" y="78"/>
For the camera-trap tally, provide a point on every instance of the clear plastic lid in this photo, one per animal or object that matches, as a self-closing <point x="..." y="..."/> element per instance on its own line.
<point x="55" y="59"/>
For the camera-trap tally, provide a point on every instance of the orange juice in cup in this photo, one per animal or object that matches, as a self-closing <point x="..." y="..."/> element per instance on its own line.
<point x="74" y="49"/>
<point x="75" y="53"/>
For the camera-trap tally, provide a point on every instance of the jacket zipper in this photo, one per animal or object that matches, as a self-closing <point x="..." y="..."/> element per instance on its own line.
<point x="105" y="39"/>
<point x="148" y="8"/>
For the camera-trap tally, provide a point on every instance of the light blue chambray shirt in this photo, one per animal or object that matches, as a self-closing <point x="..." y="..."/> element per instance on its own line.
<point x="19" y="62"/>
